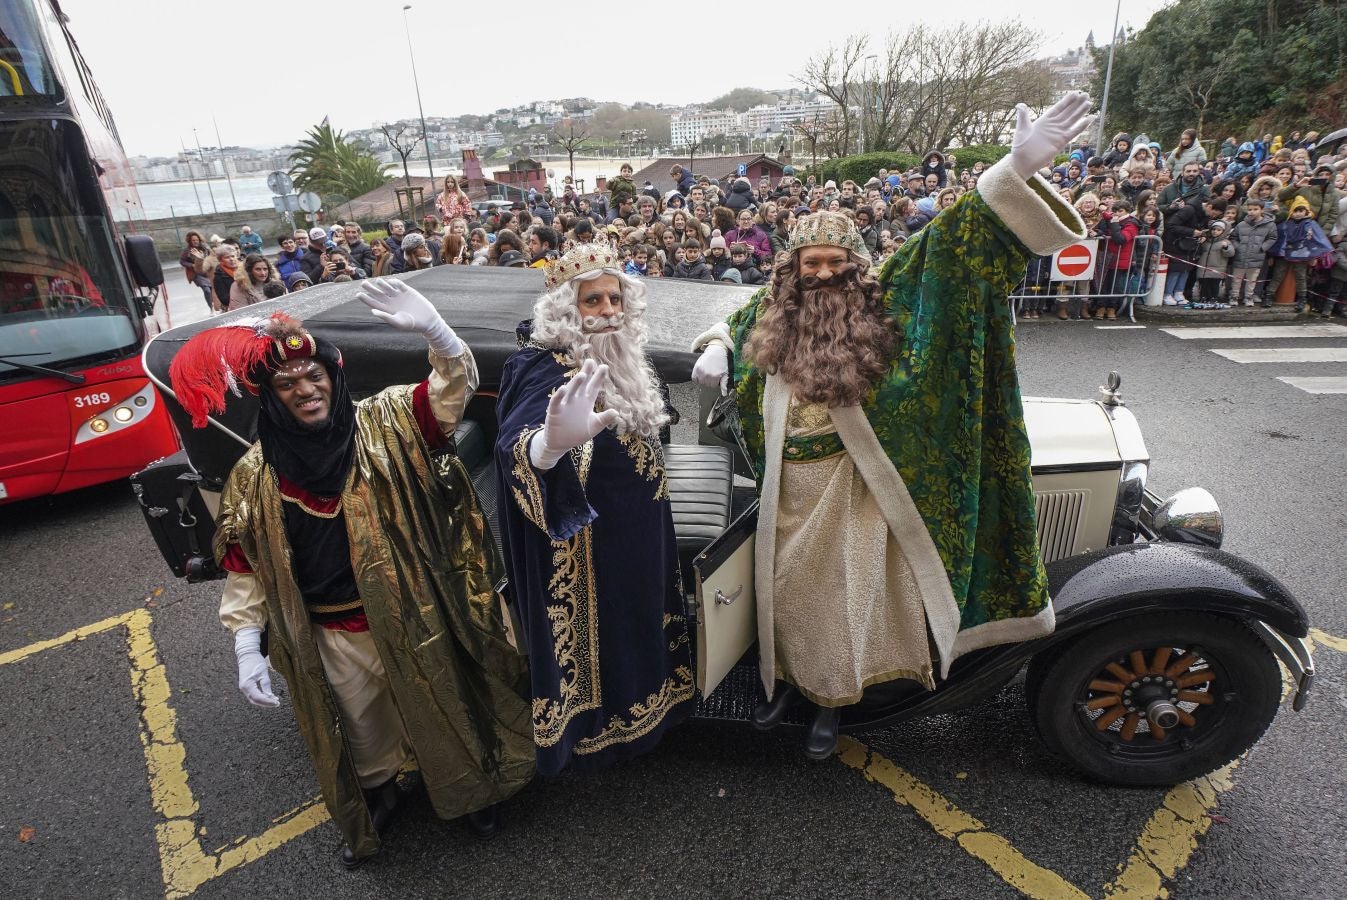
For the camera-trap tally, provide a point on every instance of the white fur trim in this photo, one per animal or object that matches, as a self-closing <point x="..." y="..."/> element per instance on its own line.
<point x="1005" y="631"/>
<point x="775" y="401"/>
<point x="717" y="332"/>
<point x="907" y="526"/>
<point x="1032" y="210"/>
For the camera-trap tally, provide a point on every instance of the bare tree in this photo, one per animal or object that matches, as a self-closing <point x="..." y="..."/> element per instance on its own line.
<point x="1199" y="84"/>
<point x="927" y="87"/>
<point x="571" y="139"/>
<point x="693" y="146"/>
<point x="403" y="144"/>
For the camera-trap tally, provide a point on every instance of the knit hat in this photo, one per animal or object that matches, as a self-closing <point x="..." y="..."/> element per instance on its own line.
<point x="732" y="275"/>
<point x="511" y="258"/>
<point x="830" y="185"/>
<point x="295" y="278"/>
<point x="413" y="241"/>
<point x="828" y="229"/>
<point x="717" y="241"/>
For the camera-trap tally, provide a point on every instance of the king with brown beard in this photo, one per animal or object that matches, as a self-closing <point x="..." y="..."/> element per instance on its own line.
<point x="896" y="528"/>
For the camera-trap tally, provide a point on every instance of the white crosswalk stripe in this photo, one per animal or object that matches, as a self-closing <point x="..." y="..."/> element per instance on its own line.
<point x="1297" y="354"/>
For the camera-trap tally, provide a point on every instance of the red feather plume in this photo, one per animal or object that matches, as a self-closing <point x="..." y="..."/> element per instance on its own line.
<point x="218" y="360"/>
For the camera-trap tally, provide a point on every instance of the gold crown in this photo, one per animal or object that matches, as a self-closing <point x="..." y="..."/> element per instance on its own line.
<point x="578" y="260"/>
<point x="828" y="229"/>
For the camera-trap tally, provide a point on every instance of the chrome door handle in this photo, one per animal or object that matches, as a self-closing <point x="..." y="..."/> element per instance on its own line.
<point x="722" y="600"/>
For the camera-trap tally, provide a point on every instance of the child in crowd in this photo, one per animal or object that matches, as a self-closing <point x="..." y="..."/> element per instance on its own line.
<point x="1253" y="237"/>
<point x="718" y="255"/>
<point x="692" y="266"/>
<point x="1211" y="262"/>
<point x="1299" y="241"/>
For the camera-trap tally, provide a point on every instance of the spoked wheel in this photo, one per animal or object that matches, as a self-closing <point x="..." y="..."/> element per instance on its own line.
<point x="1156" y="701"/>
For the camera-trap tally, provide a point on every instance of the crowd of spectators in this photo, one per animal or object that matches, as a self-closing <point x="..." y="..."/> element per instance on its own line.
<point x="1231" y="228"/>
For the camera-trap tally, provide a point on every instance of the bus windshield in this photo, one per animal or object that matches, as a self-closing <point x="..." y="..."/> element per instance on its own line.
<point x="64" y="297"/>
<point x="24" y="69"/>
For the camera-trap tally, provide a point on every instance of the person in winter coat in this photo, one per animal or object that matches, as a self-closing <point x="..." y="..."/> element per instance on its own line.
<point x="251" y="280"/>
<point x="1113" y="276"/>
<point x="1141" y="158"/>
<point x="741" y="260"/>
<point x="1319" y="194"/>
<point x="691" y="266"/>
<point x="1211" y="262"/>
<point x="934" y="164"/>
<point x="287" y="261"/>
<point x="1228" y="148"/>
<point x="362" y="257"/>
<point x="1244" y="162"/>
<point x="1300" y="241"/>
<point x="740" y="196"/>
<point x="866" y="226"/>
<point x="1188" y="150"/>
<point x="1119" y="151"/>
<point x="1337" y="283"/>
<point x="749" y="233"/>
<point x="718" y="255"/>
<point x="1253" y="237"/>
<point x="682" y="178"/>
<point x="1135" y="185"/>
<point x="1185" y="190"/>
<point x="1185" y="231"/>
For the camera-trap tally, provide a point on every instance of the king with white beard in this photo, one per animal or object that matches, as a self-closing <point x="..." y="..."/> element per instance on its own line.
<point x="587" y="525"/>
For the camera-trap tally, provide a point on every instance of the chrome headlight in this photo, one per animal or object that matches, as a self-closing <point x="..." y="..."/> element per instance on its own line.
<point x="1190" y="517"/>
<point x="1127" y="507"/>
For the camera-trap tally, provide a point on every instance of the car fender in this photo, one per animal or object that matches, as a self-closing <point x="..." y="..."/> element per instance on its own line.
<point x="1134" y="579"/>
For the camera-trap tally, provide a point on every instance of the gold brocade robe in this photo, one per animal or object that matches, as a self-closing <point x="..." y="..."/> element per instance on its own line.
<point x="417" y="540"/>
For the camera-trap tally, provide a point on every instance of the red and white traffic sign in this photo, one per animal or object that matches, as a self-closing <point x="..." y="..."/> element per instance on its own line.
<point x="1075" y="262"/>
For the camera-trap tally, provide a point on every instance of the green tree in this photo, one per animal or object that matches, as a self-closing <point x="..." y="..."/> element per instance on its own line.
<point x="326" y="163"/>
<point x="742" y="99"/>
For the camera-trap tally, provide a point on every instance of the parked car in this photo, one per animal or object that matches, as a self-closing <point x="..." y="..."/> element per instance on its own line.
<point x="1163" y="665"/>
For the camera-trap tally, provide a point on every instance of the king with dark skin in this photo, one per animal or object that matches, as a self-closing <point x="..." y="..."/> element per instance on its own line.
<point x="305" y="389"/>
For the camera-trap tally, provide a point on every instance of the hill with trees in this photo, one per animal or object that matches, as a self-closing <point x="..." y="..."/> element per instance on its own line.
<point x="1240" y="67"/>
<point x="742" y="99"/>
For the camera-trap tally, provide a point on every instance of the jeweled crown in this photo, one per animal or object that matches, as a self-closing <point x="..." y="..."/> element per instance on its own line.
<point x="828" y="229"/>
<point x="578" y="260"/>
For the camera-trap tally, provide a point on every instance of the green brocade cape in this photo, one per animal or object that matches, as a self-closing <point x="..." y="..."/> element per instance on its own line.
<point x="421" y="557"/>
<point x="948" y="415"/>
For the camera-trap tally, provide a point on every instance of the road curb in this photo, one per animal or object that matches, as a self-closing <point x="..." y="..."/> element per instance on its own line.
<point x="1240" y="315"/>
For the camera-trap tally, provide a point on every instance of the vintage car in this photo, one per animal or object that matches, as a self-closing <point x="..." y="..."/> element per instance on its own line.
<point x="1163" y="665"/>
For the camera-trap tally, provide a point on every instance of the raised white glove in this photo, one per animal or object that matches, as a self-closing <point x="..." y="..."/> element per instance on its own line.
<point x="406" y="309"/>
<point x="254" y="677"/>
<point x="571" y="419"/>
<point x="713" y="367"/>
<point x="1038" y="141"/>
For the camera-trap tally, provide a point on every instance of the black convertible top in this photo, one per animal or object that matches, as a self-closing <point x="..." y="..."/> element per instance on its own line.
<point x="484" y="305"/>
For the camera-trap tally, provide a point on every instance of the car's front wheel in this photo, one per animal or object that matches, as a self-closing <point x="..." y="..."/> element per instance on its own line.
<point x="1155" y="701"/>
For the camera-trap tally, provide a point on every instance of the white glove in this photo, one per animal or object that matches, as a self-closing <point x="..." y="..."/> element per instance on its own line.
<point x="254" y="677"/>
<point x="713" y="367"/>
<point x="571" y="419"/>
<point x="1037" y="142"/>
<point x="407" y="309"/>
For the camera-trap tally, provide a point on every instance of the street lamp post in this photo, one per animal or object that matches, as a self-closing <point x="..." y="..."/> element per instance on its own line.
<point x="865" y="96"/>
<point x="425" y="135"/>
<point x="1108" y="78"/>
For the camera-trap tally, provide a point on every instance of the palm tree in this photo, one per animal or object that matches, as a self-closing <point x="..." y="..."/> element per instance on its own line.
<point x="326" y="163"/>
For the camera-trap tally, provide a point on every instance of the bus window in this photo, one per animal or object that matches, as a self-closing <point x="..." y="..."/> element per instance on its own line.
<point x="64" y="297"/>
<point x="24" y="70"/>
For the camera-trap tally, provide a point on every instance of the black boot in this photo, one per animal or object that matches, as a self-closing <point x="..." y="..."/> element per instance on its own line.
<point x="820" y="741"/>
<point x="769" y="713"/>
<point x="485" y="823"/>
<point x="383" y="802"/>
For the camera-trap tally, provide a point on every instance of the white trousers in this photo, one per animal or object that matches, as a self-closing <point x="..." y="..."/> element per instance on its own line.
<point x="374" y="729"/>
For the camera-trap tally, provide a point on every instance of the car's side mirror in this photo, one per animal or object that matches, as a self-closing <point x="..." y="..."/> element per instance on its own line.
<point x="141" y="259"/>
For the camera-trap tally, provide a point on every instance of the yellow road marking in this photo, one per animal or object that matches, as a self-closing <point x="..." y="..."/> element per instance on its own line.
<point x="1328" y="640"/>
<point x="1170" y="837"/>
<point x="950" y="822"/>
<point x="185" y="863"/>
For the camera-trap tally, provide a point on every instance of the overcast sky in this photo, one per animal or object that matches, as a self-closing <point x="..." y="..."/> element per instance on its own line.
<point x="269" y="70"/>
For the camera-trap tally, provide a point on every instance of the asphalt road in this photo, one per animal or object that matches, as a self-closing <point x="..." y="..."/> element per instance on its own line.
<point x="97" y="731"/>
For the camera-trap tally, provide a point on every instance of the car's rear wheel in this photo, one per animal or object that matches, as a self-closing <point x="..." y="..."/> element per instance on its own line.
<point x="1155" y="701"/>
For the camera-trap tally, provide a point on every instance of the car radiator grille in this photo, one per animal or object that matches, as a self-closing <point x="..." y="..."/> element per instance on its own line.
<point x="1059" y="517"/>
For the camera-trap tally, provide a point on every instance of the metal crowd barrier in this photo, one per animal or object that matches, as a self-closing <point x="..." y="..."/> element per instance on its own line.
<point x="1039" y="292"/>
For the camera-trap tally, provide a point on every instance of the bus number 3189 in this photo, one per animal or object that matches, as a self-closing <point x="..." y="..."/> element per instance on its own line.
<point x="100" y="399"/>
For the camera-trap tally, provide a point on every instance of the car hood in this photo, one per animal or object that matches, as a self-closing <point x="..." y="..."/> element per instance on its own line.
<point x="1078" y="434"/>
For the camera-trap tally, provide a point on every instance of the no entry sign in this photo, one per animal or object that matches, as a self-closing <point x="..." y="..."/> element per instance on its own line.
<point x="1075" y="262"/>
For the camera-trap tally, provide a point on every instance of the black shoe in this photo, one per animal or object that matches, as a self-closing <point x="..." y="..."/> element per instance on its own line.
<point x="769" y="714"/>
<point x="349" y="860"/>
<point x="383" y="803"/>
<point x="485" y="823"/>
<point x="1266" y="305"/>
<point x="820" y="741"/>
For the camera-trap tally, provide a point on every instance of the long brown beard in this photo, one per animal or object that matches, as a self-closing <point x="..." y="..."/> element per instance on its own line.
<point x="830" y="341"/>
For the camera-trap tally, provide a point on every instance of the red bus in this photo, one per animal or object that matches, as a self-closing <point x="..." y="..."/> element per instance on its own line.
<point x="76" y="408"/>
